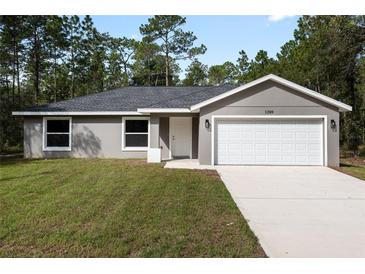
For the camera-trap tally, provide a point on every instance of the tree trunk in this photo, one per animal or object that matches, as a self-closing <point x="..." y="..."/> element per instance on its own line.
<point x="72" y="85"/>
<point x="36" y="82"/>
<point x="14" y="72"/>
<point x="156" y="80"/>
<point x="7" y="86"/>
<point x="167" y="79"/>
<point x="72" y="63"/>
<point x="55" y="80"/>
<point x="18" y="79"/>
<point x="126" y="70"/>
<point x="36" y="65"/>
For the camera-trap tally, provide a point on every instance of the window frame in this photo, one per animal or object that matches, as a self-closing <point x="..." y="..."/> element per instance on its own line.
<point x="44" y="135"/>
<point x="124" y="119"/>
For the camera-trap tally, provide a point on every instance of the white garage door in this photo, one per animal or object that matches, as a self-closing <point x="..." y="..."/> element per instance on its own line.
<point x="269" y="142"/>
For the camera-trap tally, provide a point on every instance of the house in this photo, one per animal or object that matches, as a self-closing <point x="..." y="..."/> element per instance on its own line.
<point x="269" y="121"/>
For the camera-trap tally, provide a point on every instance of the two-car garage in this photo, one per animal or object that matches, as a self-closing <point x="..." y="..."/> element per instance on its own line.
<point x="270" y="121"/>
<point x="269" y="140"/>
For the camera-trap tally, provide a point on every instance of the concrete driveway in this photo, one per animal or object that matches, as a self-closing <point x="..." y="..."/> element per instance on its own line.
<point x="300" y="211"/>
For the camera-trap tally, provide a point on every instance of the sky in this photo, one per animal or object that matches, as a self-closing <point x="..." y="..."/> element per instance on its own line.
<point x="224" y="36"/>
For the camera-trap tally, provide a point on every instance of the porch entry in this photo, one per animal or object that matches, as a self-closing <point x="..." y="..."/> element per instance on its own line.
<point x="180" y="137"/>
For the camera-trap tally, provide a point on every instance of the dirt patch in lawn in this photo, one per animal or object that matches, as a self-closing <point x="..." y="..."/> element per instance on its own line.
<point x="208" y="172"/>
<point x="353" y="166"/>
<point x="353" y="161"/>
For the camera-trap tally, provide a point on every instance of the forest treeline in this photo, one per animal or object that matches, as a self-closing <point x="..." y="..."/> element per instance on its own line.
<point x="51" y="58"/>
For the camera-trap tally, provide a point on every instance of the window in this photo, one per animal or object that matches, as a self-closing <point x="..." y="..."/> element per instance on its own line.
<point x="135" y="135"/>
<point x="56" y="134"/>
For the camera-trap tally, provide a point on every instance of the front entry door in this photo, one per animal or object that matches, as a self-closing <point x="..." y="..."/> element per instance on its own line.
<point x="181" y="137"/>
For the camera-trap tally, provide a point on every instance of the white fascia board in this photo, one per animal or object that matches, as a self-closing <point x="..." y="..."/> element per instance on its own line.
<point x="164" y="110"/>
<point x="312" y="93"/>
<point x="73" y="113"/>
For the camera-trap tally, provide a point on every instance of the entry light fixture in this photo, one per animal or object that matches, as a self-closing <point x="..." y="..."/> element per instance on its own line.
<point x="333" y="124"/>
<point x="207" y="123"/>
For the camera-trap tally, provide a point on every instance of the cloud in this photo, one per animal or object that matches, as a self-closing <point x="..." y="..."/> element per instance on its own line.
<point x="277" y="18"/>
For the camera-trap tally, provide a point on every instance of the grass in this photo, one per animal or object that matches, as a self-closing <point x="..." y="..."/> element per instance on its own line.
<point x="353" y="166"/>
<point x="11" y="150"/>
<point x="117" y="208"/>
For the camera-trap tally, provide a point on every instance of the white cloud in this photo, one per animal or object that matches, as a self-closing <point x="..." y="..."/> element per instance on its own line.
<point x="277" y="18"/>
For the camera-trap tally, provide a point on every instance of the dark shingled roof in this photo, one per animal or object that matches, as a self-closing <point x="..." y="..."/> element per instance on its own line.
<point x="131" y="98"/>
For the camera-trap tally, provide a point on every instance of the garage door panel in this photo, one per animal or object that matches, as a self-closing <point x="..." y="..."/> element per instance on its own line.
<point x="274" y="147"/>
<point x="314" y="147"/>
<point x="274" y="134"/>
<point x="287" y="134"/>
<point x="272" y="142"/>
<point x="301" y="135"/>
<point x="260" y="134"/>
<point x="287" y="158"/>
<point x="259" y="159"/>
<point x="314" y="135"/>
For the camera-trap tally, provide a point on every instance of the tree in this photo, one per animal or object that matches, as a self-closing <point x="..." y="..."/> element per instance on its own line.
<point x="226" y="73"/>
<point x="174" y="43"/>
<point x="97" y="69"/>
<point x="11" y="65"/>
<point x="326" y="55"/>
<point x="37" y="52"/>
<point x="49" y="58"/>
<point x="289" y="65"/>
<point x="260" y="66"/>
<point x="149" y="66"/>
<point x="56" y="46"/>
<point x="12" y="49"/>
<point x="93" y="55"/>
<point x="231" y="72"/>
<point x="196" y="74"/>
<point x="74" y="36"/>
<point x="243" y="66"/>
<point x="121" y="53"/>
<point x="216" y="75"/>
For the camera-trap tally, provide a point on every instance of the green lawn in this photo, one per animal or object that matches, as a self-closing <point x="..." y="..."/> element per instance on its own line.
<point x="117" y="208"/>
<point x="353" y="167"/>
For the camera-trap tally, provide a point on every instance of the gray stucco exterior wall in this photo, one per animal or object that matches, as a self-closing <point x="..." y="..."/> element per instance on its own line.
<point x="164" y="137"/>
<point x="92" y="136"/>
<point x="100" y="137"/>
<point x="274" y="97"/>
<point x="195" y="138"/>
<point x="154" y="132"/>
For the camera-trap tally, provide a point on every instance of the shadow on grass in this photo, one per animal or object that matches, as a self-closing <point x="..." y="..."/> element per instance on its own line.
<point x="3" y="179"/>
<point x="347" y="165"/>
<point x="16" y="160"/>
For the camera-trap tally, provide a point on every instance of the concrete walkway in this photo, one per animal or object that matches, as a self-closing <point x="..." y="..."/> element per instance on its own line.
<point x="186" y="164"/>
<point x="300" y="211"/>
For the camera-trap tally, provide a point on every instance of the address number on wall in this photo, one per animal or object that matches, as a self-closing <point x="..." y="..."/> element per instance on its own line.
<point x="269" y="111"/>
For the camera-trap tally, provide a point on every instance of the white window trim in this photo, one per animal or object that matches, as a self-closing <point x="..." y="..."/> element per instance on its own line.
<point x="44" y="141"/>
<point x="238" y="117"/>
<point x="124" y="148"/>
